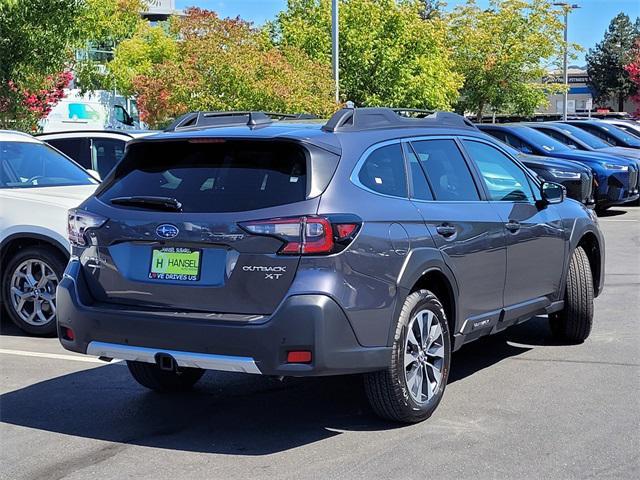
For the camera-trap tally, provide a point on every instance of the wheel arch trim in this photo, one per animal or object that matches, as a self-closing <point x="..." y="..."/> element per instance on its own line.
<point x="62" y="249"/>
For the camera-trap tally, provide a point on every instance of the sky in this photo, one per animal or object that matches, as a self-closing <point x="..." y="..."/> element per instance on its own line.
<point x="586" y="24"/>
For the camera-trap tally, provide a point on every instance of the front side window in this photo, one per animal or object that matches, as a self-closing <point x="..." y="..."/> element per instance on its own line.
<point x="600" y="134"/>
<point x="446" y="170"/>
<point x="518" y="144"/>
<point x="560" y="137"/>
<point x="30" y="165"/>
<point x="505" y="181"/>
<point x="383" y="171"/>
<point x="542" y="141"/>
<point x="584" y="136"/>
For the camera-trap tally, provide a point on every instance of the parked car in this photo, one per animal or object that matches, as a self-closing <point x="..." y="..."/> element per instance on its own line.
<point x="575" y="137"/>
<point x="628" y="125"/>
<point x="98" y="150"/>
<point x="616" y="177"/>
<point x="608" y="132"/>
<point x="578" y="179"/>
<point x="373" y="244"/>
<point x="580" y="139"/>
<point x="37" y="187"/>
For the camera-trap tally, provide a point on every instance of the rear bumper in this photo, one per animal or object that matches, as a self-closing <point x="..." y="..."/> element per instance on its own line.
<point x="311" y="322"/>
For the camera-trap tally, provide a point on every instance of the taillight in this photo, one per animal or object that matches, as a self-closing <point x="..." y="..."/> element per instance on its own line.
<point x="308" y="235"/>
<point x="79" y="221"/>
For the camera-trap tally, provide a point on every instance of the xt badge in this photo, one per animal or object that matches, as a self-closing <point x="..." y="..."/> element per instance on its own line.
<point x="270" y="273"/>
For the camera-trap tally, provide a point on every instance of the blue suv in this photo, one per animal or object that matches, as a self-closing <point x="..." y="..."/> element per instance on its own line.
<point x="617" y="177"/>
<point x="374" y="244"/>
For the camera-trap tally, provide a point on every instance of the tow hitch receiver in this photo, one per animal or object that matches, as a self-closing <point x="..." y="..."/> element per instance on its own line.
<point x="166" y="362"/>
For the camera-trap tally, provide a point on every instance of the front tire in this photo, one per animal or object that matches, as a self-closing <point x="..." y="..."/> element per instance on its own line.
<point x="411" y="388"/>
<point x="29" y="289"/>
<point x="573" y="323"/>
<point x="154" y="378"/>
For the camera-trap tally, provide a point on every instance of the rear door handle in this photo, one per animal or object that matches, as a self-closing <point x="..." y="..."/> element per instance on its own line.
<point x="446" y="230"/>
<point x="512" y="226"/>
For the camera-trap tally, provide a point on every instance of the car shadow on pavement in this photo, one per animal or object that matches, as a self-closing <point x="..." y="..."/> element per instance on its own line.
<point x="611" y="213"/>
<point x="227" y="413"/>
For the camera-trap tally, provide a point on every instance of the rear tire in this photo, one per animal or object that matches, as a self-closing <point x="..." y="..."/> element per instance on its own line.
<point x="411" y="388"/>
<point x="151" y="376"/>
<point x="573" y="323"/>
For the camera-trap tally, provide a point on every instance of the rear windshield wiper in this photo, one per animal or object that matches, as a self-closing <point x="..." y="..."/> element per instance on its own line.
<point x="153" y="203"/>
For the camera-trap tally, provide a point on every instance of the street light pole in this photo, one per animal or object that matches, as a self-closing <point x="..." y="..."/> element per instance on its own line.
<point x="566" y="7"/>
<point x="335" y="48"/>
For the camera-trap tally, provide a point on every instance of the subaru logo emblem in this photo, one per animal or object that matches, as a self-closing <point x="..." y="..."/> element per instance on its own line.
<point x="166" y="230"/>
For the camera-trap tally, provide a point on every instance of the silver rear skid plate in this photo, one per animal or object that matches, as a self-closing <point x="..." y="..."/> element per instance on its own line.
<point x="207" y="361"/>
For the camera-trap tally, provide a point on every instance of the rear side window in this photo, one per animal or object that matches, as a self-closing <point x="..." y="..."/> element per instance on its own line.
<point x="227" y="176"/>
<point x="420" y="189"/>
<point x="446" y="170"/>
<point x="383" y="171"/>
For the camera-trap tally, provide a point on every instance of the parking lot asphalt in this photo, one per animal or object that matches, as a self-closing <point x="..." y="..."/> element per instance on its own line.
<point x="517" y="406"/>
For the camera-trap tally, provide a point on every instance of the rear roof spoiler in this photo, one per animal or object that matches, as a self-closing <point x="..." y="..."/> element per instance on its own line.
<point x="359" y="119"/>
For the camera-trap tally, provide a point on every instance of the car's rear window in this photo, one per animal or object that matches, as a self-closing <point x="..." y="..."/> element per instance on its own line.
<point x="226" y="176"/>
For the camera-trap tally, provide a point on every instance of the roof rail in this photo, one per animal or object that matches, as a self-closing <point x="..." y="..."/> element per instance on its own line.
<point x="199" y="120"/>
<point x="358" y="119"/>
<point x="291" y="116"/>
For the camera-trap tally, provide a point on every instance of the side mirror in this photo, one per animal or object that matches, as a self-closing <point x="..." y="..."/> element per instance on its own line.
<point x="552" y="193"/>
<point x="94" y="174"/>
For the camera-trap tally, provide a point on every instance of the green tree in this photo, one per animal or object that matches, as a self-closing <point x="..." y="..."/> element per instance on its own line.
<point x="389" y="54"/>
<point x="208" y="63"/>
<point x="606" y="62"/>
<point x="503" y="53"/>
<point x="37" y="38"/>
<point x="149" y="47"/>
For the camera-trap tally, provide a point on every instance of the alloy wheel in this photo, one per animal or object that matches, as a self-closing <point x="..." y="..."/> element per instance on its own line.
<point x="423" y="356"/>
<point x="33" y="292"/>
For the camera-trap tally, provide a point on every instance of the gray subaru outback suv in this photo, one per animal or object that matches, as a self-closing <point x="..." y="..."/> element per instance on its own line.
<point x="375" y="244"/>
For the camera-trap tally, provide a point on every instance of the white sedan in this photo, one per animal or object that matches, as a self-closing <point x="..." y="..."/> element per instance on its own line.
<point x="38" y="185"/>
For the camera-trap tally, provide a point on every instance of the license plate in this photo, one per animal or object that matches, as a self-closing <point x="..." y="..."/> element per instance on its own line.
<point x="175" y="263"/>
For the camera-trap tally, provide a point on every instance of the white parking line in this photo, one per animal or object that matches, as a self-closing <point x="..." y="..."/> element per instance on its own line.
<point x="617" y="220"/>
<point x="55" y="356"/>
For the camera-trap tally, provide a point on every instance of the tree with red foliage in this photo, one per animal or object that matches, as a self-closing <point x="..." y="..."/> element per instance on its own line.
<point x="219" y="64"/>
<point x="633" y="69"/>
